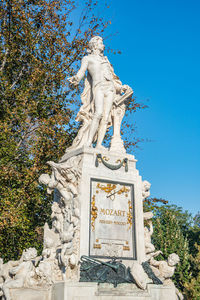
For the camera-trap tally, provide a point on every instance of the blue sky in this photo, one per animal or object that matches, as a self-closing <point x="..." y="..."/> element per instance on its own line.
<point x="160" y="60"/>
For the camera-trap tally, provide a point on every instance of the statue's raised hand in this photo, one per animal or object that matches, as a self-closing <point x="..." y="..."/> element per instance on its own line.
<point x="124" y="88"/>
<point x="73" y="80"/>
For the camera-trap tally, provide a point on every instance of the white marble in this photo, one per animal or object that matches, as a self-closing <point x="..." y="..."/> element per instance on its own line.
<point x="103" y="99"/>
<point x="120" y="232"/>
<point x="21" y="273"/>
<point x="93" y="291"/>
<point x="31" y="294"/>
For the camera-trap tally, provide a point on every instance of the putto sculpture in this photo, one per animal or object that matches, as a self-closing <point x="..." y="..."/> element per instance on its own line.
<point x="103" y="98"/>
<point x="22" y="274"/>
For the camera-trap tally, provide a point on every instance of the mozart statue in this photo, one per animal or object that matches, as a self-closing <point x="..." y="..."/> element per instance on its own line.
<point x="103" y="99"/>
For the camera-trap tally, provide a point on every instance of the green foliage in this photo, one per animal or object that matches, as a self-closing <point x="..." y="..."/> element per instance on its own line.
<point x="168" y="237"/>
<point x="176" y="231"/>
<point x="192" y="288"/>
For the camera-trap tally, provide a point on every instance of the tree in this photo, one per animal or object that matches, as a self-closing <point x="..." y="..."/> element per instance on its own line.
<point x="177" y="231"/>
<point x="169" y="238"/>
<point x="40" y="46"/>
<point x="171" y="227"/>
<point x="193" y="286"/>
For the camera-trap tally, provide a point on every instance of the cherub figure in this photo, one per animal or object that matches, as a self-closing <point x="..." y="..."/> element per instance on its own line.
<point x="148" y="231"/>
<point x="63" y="178"/>
<point x="164" y="270"/>
<point x="52" y="184"/>
<point x="145" y="189"/>
<point x="22" y="273"/>
<point x="57" y="217"/>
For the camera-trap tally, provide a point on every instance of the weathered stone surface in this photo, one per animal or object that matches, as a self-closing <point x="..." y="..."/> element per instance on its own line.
<point x="31" y="294"/>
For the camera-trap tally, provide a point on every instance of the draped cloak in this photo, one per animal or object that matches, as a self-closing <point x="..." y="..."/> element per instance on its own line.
<point x="87" y="110"/>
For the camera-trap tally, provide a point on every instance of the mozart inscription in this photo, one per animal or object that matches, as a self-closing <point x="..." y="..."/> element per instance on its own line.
<point x="112" y="221"/>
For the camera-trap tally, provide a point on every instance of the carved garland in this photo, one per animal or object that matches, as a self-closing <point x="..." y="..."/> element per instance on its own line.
<point x="124" y="163"/>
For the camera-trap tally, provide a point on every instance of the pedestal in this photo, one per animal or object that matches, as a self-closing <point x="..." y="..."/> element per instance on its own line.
<point x="93" y="291"/>
<point x="111" y="211"/>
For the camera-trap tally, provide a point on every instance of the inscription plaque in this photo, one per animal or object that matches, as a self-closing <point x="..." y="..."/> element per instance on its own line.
<point x="112" y="220"/>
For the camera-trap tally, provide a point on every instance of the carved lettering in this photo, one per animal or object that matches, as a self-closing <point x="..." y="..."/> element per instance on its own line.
<point x="119" y="223"/>
<point x="105" y="221"/>
<point x="112" y="212"/>
<point x="126" y="248"/>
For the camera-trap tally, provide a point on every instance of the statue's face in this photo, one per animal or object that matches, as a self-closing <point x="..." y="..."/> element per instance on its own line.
<point x="100" y="45"/>
<point x="172" y="260"/>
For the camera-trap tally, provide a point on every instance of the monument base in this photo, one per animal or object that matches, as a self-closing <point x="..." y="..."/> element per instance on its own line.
<point x="31" y="294"/>
<point x="105" y="291"/>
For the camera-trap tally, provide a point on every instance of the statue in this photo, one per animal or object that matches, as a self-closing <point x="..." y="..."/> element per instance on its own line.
<point x="22" y="274"/>
<point x="63" y="178"/>
<point x="102" y="98"/>
<point x="145" y="189"/>
<point x="148" y="231"/>
<point x="164" y="270"/>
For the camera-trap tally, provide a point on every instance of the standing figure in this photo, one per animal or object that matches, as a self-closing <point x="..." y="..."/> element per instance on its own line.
<point x="101" y="92"/>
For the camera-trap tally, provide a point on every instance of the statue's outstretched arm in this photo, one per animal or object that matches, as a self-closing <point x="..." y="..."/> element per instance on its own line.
<point x="80" y="74"/>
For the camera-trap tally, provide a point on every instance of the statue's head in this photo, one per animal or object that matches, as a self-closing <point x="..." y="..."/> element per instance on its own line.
<point x="146" y="185"/>
<point x="29" y="254"/>
<point x="44" y="179"/>
<point x="173" y="259"/>
<point x="96" y="43"/>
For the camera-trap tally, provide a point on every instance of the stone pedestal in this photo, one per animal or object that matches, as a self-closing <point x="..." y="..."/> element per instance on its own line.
<point x="31" y="294"/>
<point x="111" y="212"/>
<point x="93" y="291"/>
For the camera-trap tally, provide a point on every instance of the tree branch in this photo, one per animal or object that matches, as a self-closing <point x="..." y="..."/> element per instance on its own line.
<point x="4" y="60"/>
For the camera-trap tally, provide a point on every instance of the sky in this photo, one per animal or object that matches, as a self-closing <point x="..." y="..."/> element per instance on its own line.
<point x="160" y="60"/>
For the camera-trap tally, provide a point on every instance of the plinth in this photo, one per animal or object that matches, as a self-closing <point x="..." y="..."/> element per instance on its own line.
<point x="111" y="212"/>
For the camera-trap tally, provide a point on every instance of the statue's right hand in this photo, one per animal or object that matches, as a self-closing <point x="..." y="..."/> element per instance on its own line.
<point x="73" y="80"/>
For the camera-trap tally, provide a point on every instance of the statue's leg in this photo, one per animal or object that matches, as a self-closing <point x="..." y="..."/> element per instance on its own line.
<point x="98" y="103"/>
<point x="108" y="102"/>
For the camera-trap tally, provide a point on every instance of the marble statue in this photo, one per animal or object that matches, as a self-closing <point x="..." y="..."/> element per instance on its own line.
<point x="148" y="231"/>
<point x="103" y="98"/>
<point x="145" y="189"/>
<point x="61" y="241"/>
<point x="62" y="178"/>
<point x="164" y="270"/>
<point x="21" y="274"/>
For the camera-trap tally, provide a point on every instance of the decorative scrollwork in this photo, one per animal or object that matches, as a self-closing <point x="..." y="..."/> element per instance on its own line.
<point x="129" y="215"/>
<point x="106" y="188"/>
<point x="94" y="210"/>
